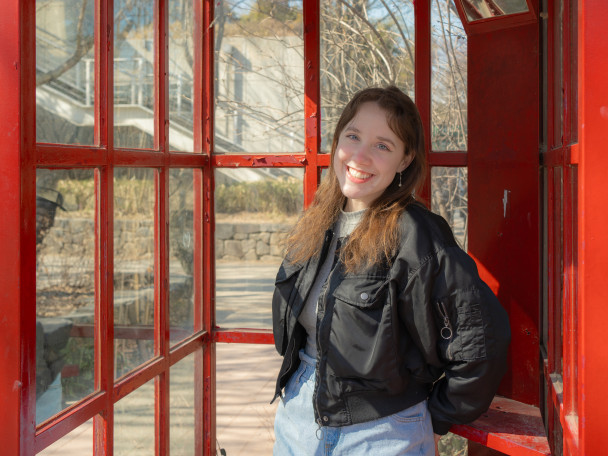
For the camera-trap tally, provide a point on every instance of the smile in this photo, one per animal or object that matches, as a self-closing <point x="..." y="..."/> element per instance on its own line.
<point x="360" y="175"/>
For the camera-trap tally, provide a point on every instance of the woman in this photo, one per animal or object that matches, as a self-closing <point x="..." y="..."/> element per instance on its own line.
<point x="387" y="332"/>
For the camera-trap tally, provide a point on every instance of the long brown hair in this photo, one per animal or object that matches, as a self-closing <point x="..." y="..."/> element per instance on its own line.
<point x="377" y="236"/>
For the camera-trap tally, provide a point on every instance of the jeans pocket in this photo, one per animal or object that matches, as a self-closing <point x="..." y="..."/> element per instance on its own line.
<point x="411" y="414"/>
<point x="295" y="382"/>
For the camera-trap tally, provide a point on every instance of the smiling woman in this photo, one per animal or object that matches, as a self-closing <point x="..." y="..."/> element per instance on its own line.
<point x="376" y="310"/>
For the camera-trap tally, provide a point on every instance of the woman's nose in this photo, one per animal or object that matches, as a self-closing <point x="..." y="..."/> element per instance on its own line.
<point x="360" y="153"/>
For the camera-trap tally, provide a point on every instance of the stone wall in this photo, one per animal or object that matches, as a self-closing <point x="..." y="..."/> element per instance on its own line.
<point x="250" y="241"/>
<point x="133" y="240"/>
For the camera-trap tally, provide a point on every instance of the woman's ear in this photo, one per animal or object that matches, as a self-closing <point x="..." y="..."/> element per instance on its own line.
<point x="405" y="162"/>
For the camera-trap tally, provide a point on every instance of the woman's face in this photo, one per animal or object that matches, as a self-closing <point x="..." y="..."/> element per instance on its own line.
<point x="367" y="157"/>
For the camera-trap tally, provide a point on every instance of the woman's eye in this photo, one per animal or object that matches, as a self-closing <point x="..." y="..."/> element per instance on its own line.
<point x="383" y="146"/>
<point x="352" y="136"/>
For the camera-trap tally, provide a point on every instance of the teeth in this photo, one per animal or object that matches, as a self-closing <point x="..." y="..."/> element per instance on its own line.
<point x="358" y="174"/>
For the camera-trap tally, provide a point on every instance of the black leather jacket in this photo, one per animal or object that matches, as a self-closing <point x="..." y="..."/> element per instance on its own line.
<point x="387" y="336"/>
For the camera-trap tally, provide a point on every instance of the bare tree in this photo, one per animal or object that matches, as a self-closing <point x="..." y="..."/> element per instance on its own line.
<point x="449" y="114"/>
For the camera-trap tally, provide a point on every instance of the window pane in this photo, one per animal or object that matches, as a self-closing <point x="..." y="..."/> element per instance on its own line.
<point x="259" y="85"/>
<point x="244" y="415"/>
<point x="181" y="397"/>
<point x="448" y="78"/>
<point x="134" y="422"/>
<point x="449" y="190"/>
<point x="254" y="210"/>
<point x="181" y="55"/>
<point x="181" y="250"/>
<point x="363" y="44"/>
<point x="78" y="442"/>
<point x="65" y="288"/>
<point x="134" y="74"/>
<point x="65" y="76"/>
<point x="483" y="9"/>
<point x="133" y="267"/>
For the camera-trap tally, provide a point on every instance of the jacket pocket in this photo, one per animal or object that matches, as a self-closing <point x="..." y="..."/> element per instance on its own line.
<point x="461" y="329"/>
<point x="363" y="292"/>
<point x="361" y="343"/>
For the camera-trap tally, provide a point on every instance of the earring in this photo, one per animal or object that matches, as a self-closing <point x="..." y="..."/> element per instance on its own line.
<point x="399" y="179"/>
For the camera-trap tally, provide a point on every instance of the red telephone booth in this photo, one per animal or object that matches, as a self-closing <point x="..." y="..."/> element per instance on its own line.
<point x="154" y="153"/>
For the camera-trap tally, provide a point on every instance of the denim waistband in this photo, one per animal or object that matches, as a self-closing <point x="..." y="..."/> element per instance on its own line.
<point x="307" y="359"/>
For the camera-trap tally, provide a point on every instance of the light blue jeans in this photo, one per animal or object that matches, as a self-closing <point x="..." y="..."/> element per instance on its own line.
<point x="409" y="432"/>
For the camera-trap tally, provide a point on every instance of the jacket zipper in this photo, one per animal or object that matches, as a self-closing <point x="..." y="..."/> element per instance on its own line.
<point x="446" y="331"/>
<point x="323" y="299"/>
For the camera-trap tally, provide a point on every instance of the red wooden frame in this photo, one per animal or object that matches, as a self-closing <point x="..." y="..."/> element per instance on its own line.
<point x="576" y="221"/>
<point x="560" y="158"/>
<point x="592" y="219"/>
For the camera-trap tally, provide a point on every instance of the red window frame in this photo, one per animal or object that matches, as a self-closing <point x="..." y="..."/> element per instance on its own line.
<point x="21" y="157"/>
<point x="103" y="157"/>
<point x="560" y="161"/>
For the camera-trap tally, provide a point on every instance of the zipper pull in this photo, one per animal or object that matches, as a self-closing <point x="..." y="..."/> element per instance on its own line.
<point x="319" y="431"/>
<point x="445" y="332"/>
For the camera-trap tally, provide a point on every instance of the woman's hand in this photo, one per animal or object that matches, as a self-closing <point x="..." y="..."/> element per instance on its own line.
<point x="437" y="437"/>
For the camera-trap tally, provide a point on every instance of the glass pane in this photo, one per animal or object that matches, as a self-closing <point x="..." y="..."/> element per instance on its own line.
<point x="134" y="423"/>
<point x="259" y="85"/>
<point x="245" y="385"/>
<point x="254" y="210"/>
<point x="181" y="250"/>
<point x="134" y="74"/>
<point x="65" y="288"/>
<point x="449" y="190"/>
<point x="181" y="55"/>
<point x="363" y="44"/>
<point x="482" y="9"/>
<point x="65" y="76"/>
<point x="181" y="397"/>
<point x="133" y="268"/>
<point x="448" y="78"/>
<point x="78" y="442"/>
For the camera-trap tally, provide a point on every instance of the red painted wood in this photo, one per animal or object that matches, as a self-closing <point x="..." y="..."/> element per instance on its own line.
<point x="68" y="156"/>
<point x="503" y="71"/>
<point x="508" y="426"/>
<point x="187" y="346"/>
<point x="554" y="315"/>
<point x="312" y="97"/>
<point x="103" y="423"/>
<point x="17" y="237"/>
<point x="104" y="73"/>
<point x="259" y="161"/>
<point x="570" y="305"/>
<point x="161" y="227"/>
<point x="422" y="78"/>
<point x="207" y="134"/>
<point x="161" y="308"/>
<point x="138" y="158"/>
<point x="187" y="160"/>
<point x="457" y="158"/>
<point x="69" y="419"/>
<point x="244" y="336"/>
<point x="199" y="257"/>
<point x="592" y="222"/>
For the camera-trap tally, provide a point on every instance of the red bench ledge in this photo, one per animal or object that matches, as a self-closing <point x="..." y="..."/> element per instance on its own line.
<point x="510" y="427"/>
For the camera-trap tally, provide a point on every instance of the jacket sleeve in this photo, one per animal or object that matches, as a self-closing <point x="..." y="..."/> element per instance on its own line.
<point x="463" y="333"/>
